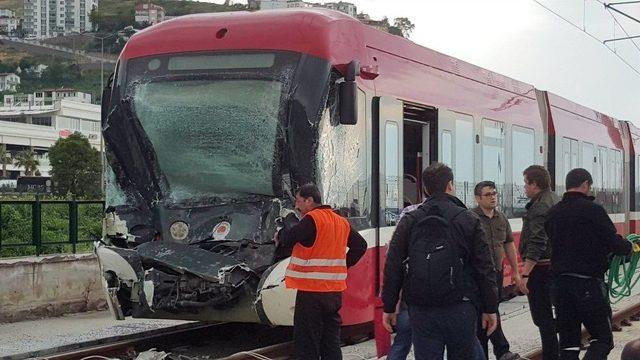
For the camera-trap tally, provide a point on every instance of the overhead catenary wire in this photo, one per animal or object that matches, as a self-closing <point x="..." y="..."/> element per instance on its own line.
<point x="637" y="71"/>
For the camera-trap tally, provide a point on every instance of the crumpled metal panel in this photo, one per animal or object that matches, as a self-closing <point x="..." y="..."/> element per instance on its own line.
<point x="185" y="259"/>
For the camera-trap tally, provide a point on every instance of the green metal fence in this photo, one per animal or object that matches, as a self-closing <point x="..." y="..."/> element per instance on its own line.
<point x="37" y="227"/>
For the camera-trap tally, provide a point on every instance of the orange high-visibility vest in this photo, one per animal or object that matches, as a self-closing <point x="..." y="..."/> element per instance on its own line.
<point x="323" y="266"/>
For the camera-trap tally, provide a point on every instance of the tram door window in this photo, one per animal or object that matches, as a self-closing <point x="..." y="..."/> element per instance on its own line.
<point x="493" y="155"/>
<point x="392" y="175"/>
<point x="447" y="148"/>
<point x="569" y="161"/>
<point x="523" y="156"/>
<point x="463" y="163"/>
<point x="413" y="159"/>
<point x="419" y="139"/>
<point x="588" y="157"/>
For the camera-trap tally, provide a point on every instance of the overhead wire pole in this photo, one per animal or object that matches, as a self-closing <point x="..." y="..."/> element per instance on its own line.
<point x="611" y="7"/>
<point x="101" y="38"/>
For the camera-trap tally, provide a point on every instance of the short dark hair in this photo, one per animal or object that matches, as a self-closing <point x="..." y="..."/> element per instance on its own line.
<point x="539" y="175"/>
<point x="576" y="177"/>
<point x="436" y="177"/>
<point x="483" y="184"/>
<point x="310" y="191"/>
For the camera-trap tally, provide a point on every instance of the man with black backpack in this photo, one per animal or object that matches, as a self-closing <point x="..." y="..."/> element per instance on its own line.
<point x="449" y="273"/>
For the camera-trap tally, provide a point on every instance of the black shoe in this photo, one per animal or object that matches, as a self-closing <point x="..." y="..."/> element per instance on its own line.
<point x="510" y="356"/>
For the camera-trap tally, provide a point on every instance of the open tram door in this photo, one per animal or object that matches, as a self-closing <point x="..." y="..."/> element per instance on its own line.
<point x="402" y="145"/>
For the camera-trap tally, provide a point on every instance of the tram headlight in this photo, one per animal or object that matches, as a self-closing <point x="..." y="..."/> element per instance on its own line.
<point x="179" y="230"/>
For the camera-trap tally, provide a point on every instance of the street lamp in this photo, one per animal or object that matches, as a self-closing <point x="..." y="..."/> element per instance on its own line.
<point x="101" y="38"/>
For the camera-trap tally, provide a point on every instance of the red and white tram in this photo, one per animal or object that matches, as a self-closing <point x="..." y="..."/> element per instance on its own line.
<point x="210" y="120"/>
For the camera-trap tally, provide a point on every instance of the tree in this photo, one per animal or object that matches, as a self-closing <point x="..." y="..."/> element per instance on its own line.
<point x="75" y="167"/>
<point x="27" y="160"/>
<point x="405" y="25"/>
<point x="5" y="159"/>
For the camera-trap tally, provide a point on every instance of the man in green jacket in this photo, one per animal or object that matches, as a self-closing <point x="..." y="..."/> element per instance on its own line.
<point x="536" y="254"/>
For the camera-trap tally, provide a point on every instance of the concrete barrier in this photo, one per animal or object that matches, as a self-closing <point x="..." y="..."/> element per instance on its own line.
<point x="36" y="287"/>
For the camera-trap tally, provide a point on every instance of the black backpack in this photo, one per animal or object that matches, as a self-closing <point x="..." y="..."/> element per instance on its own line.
<point x="435" y="270"/>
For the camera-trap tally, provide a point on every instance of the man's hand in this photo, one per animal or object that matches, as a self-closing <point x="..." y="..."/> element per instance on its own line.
<point x="389" y="321"/>
<point x="523" y="286"/>
<point x="489" y="323"/>
<point x="518" y="280"/>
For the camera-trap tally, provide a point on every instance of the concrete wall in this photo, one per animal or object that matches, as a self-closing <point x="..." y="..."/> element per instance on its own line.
<point x="35" y="287"/>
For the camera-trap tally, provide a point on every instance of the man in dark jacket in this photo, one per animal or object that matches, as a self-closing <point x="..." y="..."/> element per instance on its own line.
<point x="536" y="254"/>
<point x="582" y="236"/>
<point x="454" y="324"/>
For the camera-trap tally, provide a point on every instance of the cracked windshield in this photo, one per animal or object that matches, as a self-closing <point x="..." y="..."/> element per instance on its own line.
<point x="201" y="131"/>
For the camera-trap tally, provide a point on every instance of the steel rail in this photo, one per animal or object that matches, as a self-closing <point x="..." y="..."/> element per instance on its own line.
<point x="620" y="318"/>
<point x="124" y="345"/>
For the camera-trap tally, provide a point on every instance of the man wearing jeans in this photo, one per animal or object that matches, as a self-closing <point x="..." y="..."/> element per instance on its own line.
<point x="402" y="342"/>
<point x="450" y="237"/>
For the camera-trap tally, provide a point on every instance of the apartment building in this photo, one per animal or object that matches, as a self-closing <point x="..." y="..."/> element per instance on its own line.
<point x="35" y="121"/>
<point x="8" y="21"/>
<point x="149" y="13"/>
<point x="9" y="81"/>
<point x="49" y="18"/>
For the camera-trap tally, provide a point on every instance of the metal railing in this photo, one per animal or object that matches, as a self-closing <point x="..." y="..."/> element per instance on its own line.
<point x="36" y="227"/>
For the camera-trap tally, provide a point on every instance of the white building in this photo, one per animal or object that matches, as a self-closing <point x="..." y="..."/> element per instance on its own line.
<point x="49" y="18"/>
<point x="8" y="21"/>
<point x="8" y="25"/>
<point x="9" y="82"/>
<point x="25" y="126"/>
<point x="272" y="4"/>
<point x="7" y="13"/>
<point x="345" y="7"/>
<point x="149" y="13"/>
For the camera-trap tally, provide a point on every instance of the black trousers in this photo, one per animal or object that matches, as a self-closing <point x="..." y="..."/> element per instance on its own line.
<point x="316" y="326"/>
<point x="498" y="340"/>
<point x="583" y="301"/>
<point x="541" y="307"/>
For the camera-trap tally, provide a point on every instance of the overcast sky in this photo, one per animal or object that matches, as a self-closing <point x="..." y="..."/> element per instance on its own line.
<point x="523" y="40"/>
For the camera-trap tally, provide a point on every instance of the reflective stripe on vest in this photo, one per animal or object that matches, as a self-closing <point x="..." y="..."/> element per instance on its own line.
<point x="318" y="262"/>
<point x="323" y="266"/>
<point x="316" y="275"/>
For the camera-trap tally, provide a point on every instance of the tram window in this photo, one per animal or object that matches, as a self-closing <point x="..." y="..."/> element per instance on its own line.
<point x="588" y="157"/>
<point x="616" y="180"/>
<point x="570" y="161"/>
<point x="493" y="150"/>
<point x="523" y="147"/>
<point x="392" y="183"/>
<point x="446" y="148"/>
<point x="619" y="176"/>
<point x="463" y="168"/>
<point x="342" y="166"/>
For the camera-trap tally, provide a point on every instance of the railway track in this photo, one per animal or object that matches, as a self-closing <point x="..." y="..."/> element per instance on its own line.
<point x="123" y="347"/>
<point x="620" y="318"/>
<point x="181" y="341"/>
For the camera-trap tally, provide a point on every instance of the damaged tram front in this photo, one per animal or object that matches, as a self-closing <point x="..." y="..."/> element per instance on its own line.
<point x="203" y="150"/>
